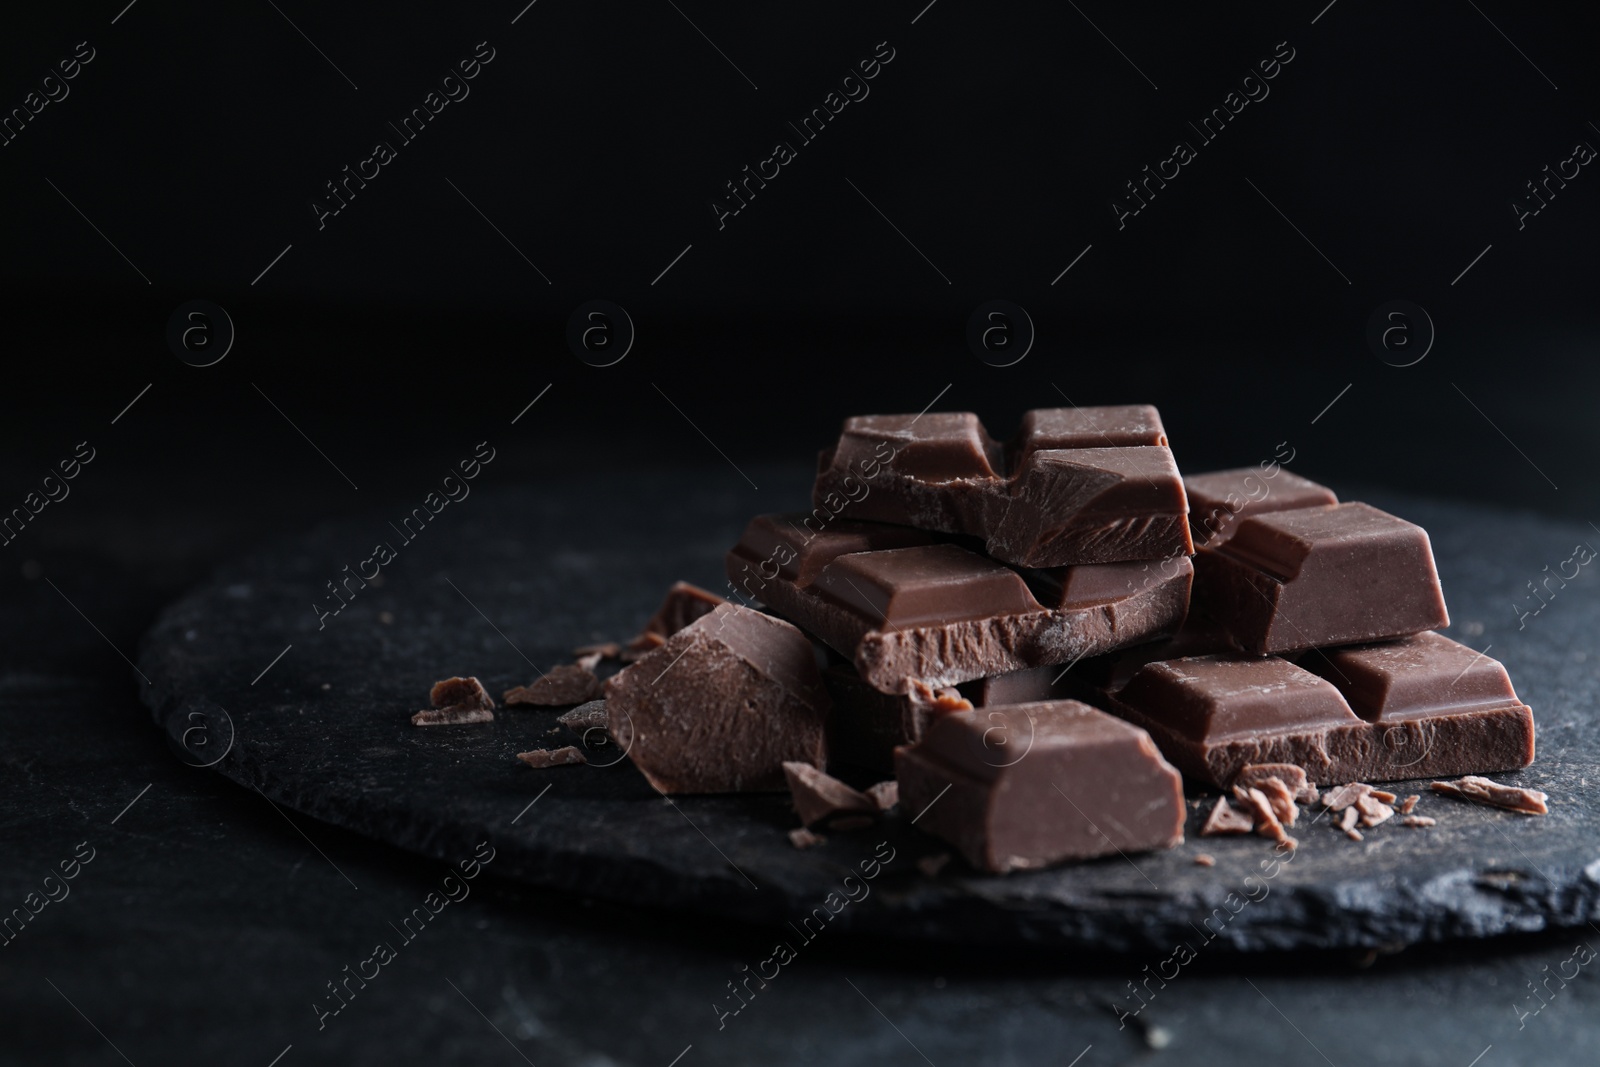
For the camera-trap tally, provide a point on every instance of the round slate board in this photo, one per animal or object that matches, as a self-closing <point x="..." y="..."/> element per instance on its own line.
<point x="500" y="581"/>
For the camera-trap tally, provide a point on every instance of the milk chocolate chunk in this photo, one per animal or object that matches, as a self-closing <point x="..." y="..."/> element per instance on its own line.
<point x="1085" y="785"/>
<point x="721" y="706"/>
<point x="1215" y="715"/>
<point x="1220" y="499"/>
<point x="567" y="683"/>
<point x="819" y="797"/>
<point x="1436" y="707"/>
<point x="943" y="614"/>
<point x="1077" y="485"/>
<point x="1311" y="577"/>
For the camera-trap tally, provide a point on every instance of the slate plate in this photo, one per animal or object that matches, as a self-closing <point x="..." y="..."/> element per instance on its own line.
<point x="500" y="580"/>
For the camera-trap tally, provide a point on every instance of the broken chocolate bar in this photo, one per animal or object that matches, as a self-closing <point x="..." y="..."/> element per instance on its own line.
<point x="1219" y="499"/>
<point x="1436" y="707"/>
<point x="721" y="706"/>
<point x="1077" y="485"/>
<point x="943" y="614"/>
<point x="568" y="683"/>
<point x="1311" y="577"/>
<point x="818" y="797"/>
<point x="1069" y="783"/>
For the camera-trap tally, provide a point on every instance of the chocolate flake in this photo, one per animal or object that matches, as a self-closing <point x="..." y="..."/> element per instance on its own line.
<point x="541" y="758"/>
<point x="1346" y="795"/>
<point x="1421" y="821"/>
<point x="1373" y="811"/>
<point x="1408" y="805"/>
<point x="566" y="684"/>
<point x="1385" y="796"/>
<point x="800" y="837"/>
<point x="585" y="717"/>
<point x="1267" y="824"/>
<point x="885" y="794"/>
<point x="1205" y="859"/>
<point x="1288" y="773"/>
<point x="819" y="797"/>
<point x="1226" y="819"/>
<point x="1510" y="797"/>
<point x="455" y="715"/>
<point x="460" y="692"/>
<point x="1281" y="797"/>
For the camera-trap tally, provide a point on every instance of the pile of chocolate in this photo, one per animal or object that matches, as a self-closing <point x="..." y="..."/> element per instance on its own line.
<point x="1036" y="637"/>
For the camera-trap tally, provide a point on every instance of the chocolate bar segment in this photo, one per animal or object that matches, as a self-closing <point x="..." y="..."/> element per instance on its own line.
<point x="1331" y="575"/>
<point x="1077" y="485"/>
<point x="939" y="613"/>
<point x="721" y="706"/>
<point x="1219" y="499"/>
<point x="1436" y="707"/>
<point x="1025" y="786"/>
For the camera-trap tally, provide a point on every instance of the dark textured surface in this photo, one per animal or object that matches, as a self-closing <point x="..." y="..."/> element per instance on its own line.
<point x="503" y="577"/>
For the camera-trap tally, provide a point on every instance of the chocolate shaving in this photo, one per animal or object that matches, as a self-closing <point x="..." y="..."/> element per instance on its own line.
<point x="1344" y="796"/>
<point x="800" y="837"/>
<point x="1282" y="799"/>
<point x="885" y="794"/>
<point x="1373" y="811"/>
<point x="1408" y="805"/>
<point x="1204" y="859"/>
<point x="1422" y="821"/>
<point x="819" y="797"/>
<point x="566" y="684"/>
<point x="932" y="865"/>
<point x="1510" y="797"/>
<point x="1226" y="819"/>
<point x="1290" y="775"/>
<point x="1267" y="824"/>
<point x="541" y="758"/>
<point x="455" y="715"/>
<point x="585" y="717"/>
<point x="459" y="692"/>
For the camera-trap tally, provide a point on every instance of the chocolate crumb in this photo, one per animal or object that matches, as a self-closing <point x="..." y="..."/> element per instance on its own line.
<point x="1226" y="819"/>
<point x="1373" y="811"/>
<point x="1290" y="775"/>
<point x="566" y="684"/>
<point x="885" y="794"/>
<point x="818" y="796"/>
<point x="1408" y="805"/>
<point x="800" y="837"/>
<point x="1205" y="859"/>
<point x="932" y="865"/>
<point x="455" y="715"/>
<point x="1347" y="823"/>
<point x="1267" y="824"/>
<point x="460" y="692"/>
<point x="1344" y="796"/>
<point x="1510" y="797"/>
<point x="585" y="717"/>
<point x="541" y="758"/>
<point x="1422" y="821"/>
<point x="1281" y="797"/>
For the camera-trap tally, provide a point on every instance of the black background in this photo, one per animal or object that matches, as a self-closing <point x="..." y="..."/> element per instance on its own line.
<point x="1385" y="159"/>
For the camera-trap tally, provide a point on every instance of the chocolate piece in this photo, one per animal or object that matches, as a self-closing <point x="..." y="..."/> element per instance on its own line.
<point x="721" y="706"/>
<point x="1373" y="811"/>
<point x="1347" y="822"/>
<point x="585" y="717"/>
<point x="1408" y="805"/>
<point x="819" y="797"/>
<point x="885" y="794"/>
<point x="1345" y="796"/>
<point x="542" y="758"/>
<point x="1436" y="707"/>
<point x="560" y="685"/>
<point x="1319" y="576"/>
<point x="1422" y="821"/>
<point x="1266" y="820"/>
<point x="1511" y="797"/>
<point x="1214" y="715"/>
<point x="800" y="837"/>
<point x="1218" y="499"/>
<point x="1287" y="774"/>
<point x="684" y="604"/>
<point x="942" y="614"/>
<point x="1281" y="797"/>
<point x="1383" y="795"/>
<point x="1226" y="819"/>
<point x="1082" y="485"/>
<point x="454" y="715"/>
<point x="459" y="692"/>
<point x="1204" y="859"/>
<point x="1087" y="785"/>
